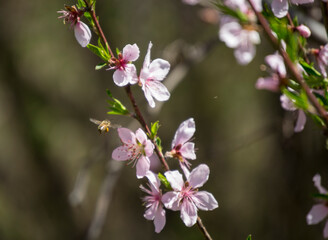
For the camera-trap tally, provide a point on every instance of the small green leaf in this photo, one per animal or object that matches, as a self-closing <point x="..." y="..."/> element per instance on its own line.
<point x="99" y="52"/>
<point x="249" y="237"/>
<point x="299" y="99"/>
<point x="81" y="4"/>
<point x="158" y="142"/>
<point x="154" y="129"/>
<point x="318" y="120"/>
<point x="117" y="51"/>
<point x="100" y="66"/>
<point x="321" y="196"/>
<point x="309" y="69"/>
<point x="164" y="181"/>
<point x="115" y="106"/>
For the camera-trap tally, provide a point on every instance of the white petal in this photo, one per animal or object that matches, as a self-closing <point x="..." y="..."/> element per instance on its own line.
<point x="154" y="181"/>
<point x="199" y="176"/>
<point x="187" y="151"/>
<point x="142" y="166"/>
<point x="175" y="179"/>
<point x="148" y="96"/>
<point x="150" y="212"/>
<point x="82" y="33"/>
<point x="317" y="183"/>
<point x="230" y="33"/>
<point x="205" y="201"/>
<point x="279" y="8"/>
<point x="171" y="200"/>
<point x="131" y="52"/>
<point x="141" y="136"/>
<point x="147" y="57"/>
<point x="188" y="213"/>
<point x="276" y="63"/>
<point x="301" y="120"/>
<point x="120" y="78"/>
<point x="245" y="53"/>
<point x="158" y="69"/>
<point x="185" y="131"/>
<point x="158" y="90"/>
<point x="159" y="220"/>
<point x="317" y="213"/>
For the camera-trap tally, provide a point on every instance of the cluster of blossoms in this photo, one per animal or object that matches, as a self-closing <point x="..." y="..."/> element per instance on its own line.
<point x="183" y="195"/>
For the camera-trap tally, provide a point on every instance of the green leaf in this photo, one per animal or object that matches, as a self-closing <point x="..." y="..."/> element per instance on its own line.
<point x="309" y="69"/>
<point x="81" y="4"/>
<point x="318" y="120"/>
<point x="100" y="66"/>
<point x="154" y="129"/>
<point x="321" y="196"/>
<point x="99" y="52"/>
<point x="117" y="51"/>
<point x="115" y="106"/>
<point x="234" y="13"/>
<point x="164" y="181"/>
<point x="249" y="237"/>
<point x="158" y="142"/>
<point x="299" y="99"/>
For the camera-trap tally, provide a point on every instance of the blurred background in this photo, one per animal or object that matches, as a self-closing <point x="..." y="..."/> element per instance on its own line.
<point x="56" y="174"/>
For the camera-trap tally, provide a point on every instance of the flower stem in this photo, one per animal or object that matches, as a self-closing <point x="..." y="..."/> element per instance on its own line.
<point x="100" y="31"/>
<point x="291" y="66"/>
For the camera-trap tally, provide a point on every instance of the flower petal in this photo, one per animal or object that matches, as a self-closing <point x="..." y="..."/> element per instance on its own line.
<point x="301" y="1"/>
<point x="121" y="153"/>
<point x="82" y="33"/>
<point x="188" y="213"/>
<point x="301" y="120"/>
<point x="199" y="176"/>
<point x="147" y="57"/>
<point x="150" y="212"/>
<point x="171" y="200"/>
<point x="154" y="181"/>
<point x="175" y="179"/>
<point x="268" y="83"/>
<point x="158" y="69"/>
<point x="245" y="52"/>
<point x="279" y="8"/>
<point x="131" y="52"/>
<point x="205" y="201"/>
<point x="142" y="166"/>
<point x="229" y="32"/>
<point x="317" y="183"/>
<point x="158" y="90"/>
<point x="128" y="75"/>
<point x="148" y="96"/>
<point x="159" y="220"/>
<point x="187" y="150"/>
<point x="276" y="63"/>
<point x="149" y="148"/>
<point x="317" y="213"/>
<point x="126" y="136"/>
<point x="141" y="136"/>
<point x="185" y="131"/>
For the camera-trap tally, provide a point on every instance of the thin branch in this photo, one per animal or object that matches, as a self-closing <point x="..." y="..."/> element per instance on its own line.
<point x="291" y="66"/>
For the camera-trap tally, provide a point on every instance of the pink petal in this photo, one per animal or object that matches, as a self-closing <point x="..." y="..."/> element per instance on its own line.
<point x="205" y="201"/>
<point x="187" y="150"/>
<point x="188" y="213"/>
<point x="175" y="179"/>
<point x="258" y="5"/>
<point x="121" y="153"/>
<point x="301" y="1"/>
<point x="199" y="176"/>
<point x="301" y="120"/>
<point x="245" y="53"/>
<point x="229" y="33"/>
<point x="317" y="183"/>
<point x="154" y="181"/>
<point x="82" y="33"/>
<point x="141" y="136"/>
<point x="304" y="30"/>
<point x="147" y="57"/>
<point x="158" y="90"/>
<point x="128" y="75"/>
<point x="149" y="148"/>
<point x="142" y="166"/>
<point x="158" y="69"/>
<point x="148" y="96"/>
<point x="317" y="213"/>
<point x="131" y="52"/>
<point x="268" y="83"/>
<point x="185" y="131"/>
<point x="126" y="136"/>
<point x="286" y="103"/>
<point x="279" y="8"/>
<point x="159" y="220"/>
<point x="276" y="63"/>
<point x="150" y="212"/>
<point x="171" y="200"/>
<point x="325" y="230"/>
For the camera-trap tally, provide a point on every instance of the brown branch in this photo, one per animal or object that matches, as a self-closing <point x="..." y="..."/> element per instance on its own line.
<point x="291" y="66"/>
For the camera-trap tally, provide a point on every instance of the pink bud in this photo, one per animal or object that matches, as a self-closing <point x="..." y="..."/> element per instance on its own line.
<point x="82" y="33"/>
<point x="304" y="31"/>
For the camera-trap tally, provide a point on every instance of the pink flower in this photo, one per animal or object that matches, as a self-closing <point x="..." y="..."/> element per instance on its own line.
<point x="126" y="72"/>
<point x="241" y="39"/>
<point x="280" y="7"/>
<point x="81" y="30"/>
<point x="288" y="105"/>
<point x="185" y="195"/>
<point x="322" y="59"/>
<point x="304" y="31"/>
<point x="182" y="149"/>
<point x="153" y="202"/>
<point x="319" y="211"/>
<point x="136" y="148"/>
<point x="278" y="72"/>
<point x="151" y="75"/>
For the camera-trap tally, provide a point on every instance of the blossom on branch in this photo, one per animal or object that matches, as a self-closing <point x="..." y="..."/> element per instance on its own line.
<point x="81" y="30"/>
<point x="137" y="148"/>
<point x="151" y="75"/>
<point x="185" y="196"/>
<point x="126" y="72"/>
<point x="278" y="73"/>
<point x="319" y="211"/>
<point x="153" y="202"/>
<point x="182" y="149"/>
<point x="280" y="7"/>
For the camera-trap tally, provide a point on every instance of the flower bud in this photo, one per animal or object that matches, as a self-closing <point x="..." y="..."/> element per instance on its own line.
<point x="82" y="33"/>
<point x="304" y="31"/>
